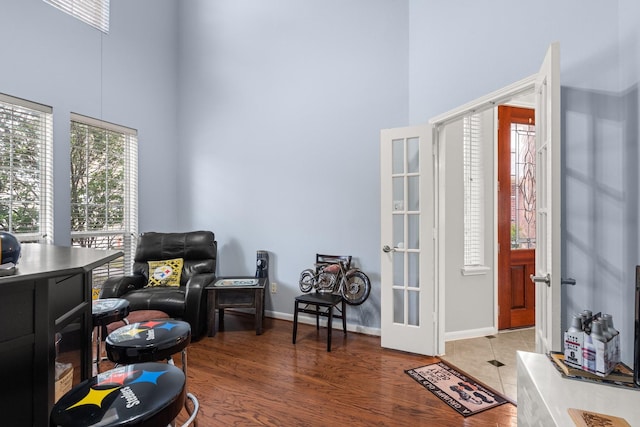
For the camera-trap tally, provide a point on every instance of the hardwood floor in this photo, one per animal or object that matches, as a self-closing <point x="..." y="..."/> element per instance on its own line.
<point x="241" y="379"/>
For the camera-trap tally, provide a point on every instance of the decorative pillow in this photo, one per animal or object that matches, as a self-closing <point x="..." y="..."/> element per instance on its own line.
<point x="165" y="273"/>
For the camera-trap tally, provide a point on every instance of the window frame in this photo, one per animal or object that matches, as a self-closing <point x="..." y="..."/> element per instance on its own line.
<point x="129" y="229"/>
<point x="92" y="12"/>
<point x="474" y="196"/>
<point x="45" y="173"/>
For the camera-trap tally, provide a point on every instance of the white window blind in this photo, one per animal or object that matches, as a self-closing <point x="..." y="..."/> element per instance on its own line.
<point x="104" y="191"/>
<point x="93" y="12"/>
<point x="473" y="192"/>
<point x="26" y="169"/>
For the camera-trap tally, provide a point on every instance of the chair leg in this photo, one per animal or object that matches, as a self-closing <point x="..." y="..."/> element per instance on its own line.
<point x="98" y="338"/>
<point x="295" y="322"/>
<point x="317" y="317"/>
<point x="329" y="327"/>
<point x="221" y="319"/>
<point x="344" y="317"/>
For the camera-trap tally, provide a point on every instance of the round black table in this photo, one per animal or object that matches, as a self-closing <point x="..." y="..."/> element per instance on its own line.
<point x="103" y="312"/>
<point x="108" y="310"/>
<point x="149" y="341"/>
<point x="141" y="395"/>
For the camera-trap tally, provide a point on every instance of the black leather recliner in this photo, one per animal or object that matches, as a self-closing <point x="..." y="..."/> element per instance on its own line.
<point x="187" y="301"/>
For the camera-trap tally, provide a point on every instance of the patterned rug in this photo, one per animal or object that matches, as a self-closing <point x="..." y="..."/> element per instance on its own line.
<point x="461" y="392"/>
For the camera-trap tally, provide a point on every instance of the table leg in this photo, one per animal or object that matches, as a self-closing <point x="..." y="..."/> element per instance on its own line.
<point x="329" y="327"/>
<point x="259" y="296"/>
<point x="295" y="322"/>
<point x="211" y="308"/>
<point x="344" y="317"/>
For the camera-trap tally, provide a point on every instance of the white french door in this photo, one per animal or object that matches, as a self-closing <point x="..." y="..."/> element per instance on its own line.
<point x="407" y="243"/>
<point x="548" y="257"/>
<point x="412" y="307"/>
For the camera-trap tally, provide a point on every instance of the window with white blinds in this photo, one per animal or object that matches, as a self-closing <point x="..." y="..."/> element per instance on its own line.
<point x="104" y="195"/>
<point x="473" y="192"/>
<point x="93" y="12"/>
<point x="26" y="169"/>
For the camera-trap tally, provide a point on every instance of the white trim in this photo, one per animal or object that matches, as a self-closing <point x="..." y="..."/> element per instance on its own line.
<point x="501" y="96"/>
<point x="470" y="333"/>
<point x="310" y="320"/>
<point x="75" y="117"/>
<point x="8" y="99"/>
<point x="475" y="270"/>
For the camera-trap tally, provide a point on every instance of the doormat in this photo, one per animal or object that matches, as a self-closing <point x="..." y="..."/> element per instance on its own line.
<point x="461" y="392"/>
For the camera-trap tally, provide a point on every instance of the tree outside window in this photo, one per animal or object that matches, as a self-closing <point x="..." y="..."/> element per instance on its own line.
<point x="26" y="189"/>
<point x="103" y="190"/>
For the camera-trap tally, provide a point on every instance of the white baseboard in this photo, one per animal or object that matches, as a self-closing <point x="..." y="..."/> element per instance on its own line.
<point x="310" y="320"/>
<point x="469" y="333"/>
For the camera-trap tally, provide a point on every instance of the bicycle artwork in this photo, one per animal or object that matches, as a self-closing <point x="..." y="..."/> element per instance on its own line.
<point x="333" y="274"/>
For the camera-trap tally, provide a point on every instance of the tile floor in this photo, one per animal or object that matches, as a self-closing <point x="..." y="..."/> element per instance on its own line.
<point x="492" y="359"/>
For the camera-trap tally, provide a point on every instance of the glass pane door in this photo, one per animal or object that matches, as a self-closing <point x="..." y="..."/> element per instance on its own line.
<point x="406" y="231"/>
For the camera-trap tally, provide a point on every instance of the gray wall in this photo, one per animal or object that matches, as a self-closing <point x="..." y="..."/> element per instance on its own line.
<point x="281" y="106"/>
<point x="128" y="77"/>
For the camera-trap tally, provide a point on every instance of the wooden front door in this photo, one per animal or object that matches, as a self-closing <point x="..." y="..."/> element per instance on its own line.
<point x="516" y="216"/>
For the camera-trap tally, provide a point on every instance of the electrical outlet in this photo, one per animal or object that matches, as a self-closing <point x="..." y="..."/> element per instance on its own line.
<point x="274" y="287"/>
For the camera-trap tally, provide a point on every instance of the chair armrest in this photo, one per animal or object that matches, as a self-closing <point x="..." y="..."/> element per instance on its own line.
<point x="115" y="287"/>
<point x="196" y="302"/>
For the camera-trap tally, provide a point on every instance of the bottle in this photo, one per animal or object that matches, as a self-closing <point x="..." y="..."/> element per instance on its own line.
<point x="587" y="316"/>
<point x="596" y="331"/>
<point x="615" y="341"/>
<point x="588" y="354"/>
<point x="576" y="324"/>
<point x="573" y="340"/>
<point x="605" y="330"/>
<point x="609" y="320"/>
<point x="600" y="343"/>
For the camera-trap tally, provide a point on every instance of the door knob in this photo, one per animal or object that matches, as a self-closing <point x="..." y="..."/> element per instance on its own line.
<point x="387" y="249"/>
<point x="541" y="279"/>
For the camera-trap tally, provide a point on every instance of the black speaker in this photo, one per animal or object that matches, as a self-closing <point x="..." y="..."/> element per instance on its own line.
<point x="262" y="264"/>
<point x="636" y="341"/>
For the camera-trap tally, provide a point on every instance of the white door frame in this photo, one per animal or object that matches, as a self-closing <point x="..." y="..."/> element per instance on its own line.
<point x="548" y="269"/>
<point x="415" y="331"/>
<point x="503" y="96"/>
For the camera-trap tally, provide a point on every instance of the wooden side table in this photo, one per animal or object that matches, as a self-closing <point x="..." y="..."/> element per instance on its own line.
<point x="235" y="292"/>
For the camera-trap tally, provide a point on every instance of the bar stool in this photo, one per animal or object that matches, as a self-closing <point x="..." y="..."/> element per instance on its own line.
<point x="103" y="312"/>
<point x="138" y="395"/>
<point x="152" y="341"/>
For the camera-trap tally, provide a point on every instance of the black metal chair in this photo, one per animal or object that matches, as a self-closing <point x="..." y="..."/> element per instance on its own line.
<point x="323" y="303"/>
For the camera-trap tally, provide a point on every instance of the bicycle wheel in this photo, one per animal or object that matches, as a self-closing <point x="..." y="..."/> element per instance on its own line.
<point x="306" y="280"/>
<point x="356" y="287"/>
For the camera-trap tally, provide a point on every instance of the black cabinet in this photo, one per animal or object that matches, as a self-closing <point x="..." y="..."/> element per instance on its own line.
<point x="48" y="297"/>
